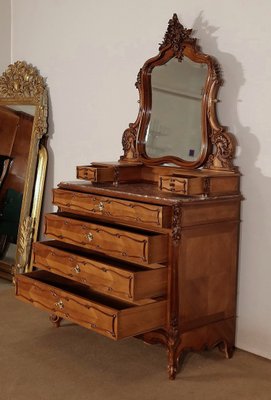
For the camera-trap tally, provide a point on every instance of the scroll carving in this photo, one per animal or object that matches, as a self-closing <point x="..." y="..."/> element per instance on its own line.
<point x="129" y="143"/>
<point x="129" y="137"/>
<point x="222" y="157"/>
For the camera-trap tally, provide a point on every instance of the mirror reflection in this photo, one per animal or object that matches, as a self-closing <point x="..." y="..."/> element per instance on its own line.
<point x="16" y="124"/>
<point x="175" y="126"/>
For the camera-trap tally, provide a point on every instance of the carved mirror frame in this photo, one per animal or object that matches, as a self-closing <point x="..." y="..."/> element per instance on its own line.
<point x="22" y="84"/>
<point x="218" y="145"/>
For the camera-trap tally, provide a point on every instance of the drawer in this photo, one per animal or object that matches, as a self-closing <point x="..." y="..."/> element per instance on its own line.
<point x="95" y="174"/>
<point x="131" y="244"/>
<point x="121" y="279"/>
<point x="126" y="211"/>
<point x="183" y="185"/>
<point x="112" y="318"/>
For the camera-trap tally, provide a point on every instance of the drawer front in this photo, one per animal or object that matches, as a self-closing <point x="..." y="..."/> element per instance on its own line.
<point x="116" y="322"/>
<point x="186" y="186"/>
<point x="126" y="211"/>
<point x="145" y="247"/>
<point x="133" y="284"/>
<point x="95" y="174"/>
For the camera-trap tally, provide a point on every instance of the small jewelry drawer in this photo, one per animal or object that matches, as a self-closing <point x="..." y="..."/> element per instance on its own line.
<point x="112" y="318"/>
<point x="95" y="174"/>
<point x="122" y="210"/>
<point x="131" y="244"/>
<point x="183" y="185"/>
<point x="120" y="279"/>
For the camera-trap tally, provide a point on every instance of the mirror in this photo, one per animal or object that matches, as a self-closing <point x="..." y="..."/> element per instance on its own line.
<point x="23" y="160"/>
<point x="177" y="123"/>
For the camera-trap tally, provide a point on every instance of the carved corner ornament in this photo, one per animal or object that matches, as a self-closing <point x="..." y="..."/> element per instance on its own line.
<point x="129" y="138"/>
<point x="175" y="37"/>
<point x="223" y="153"/>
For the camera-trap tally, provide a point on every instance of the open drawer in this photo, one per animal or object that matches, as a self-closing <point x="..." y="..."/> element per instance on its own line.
<point x="112" y="318"/>
<point x="118" y="278"/>
<point x="131" y="244"/>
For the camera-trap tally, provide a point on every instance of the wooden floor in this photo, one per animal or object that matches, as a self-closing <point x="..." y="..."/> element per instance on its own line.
<point x="40" y="362"/>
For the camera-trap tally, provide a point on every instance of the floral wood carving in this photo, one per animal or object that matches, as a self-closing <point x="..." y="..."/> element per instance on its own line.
<point x="21" y="80"/>
<point x="176" y="224"/>
<point x="175" y="36"/>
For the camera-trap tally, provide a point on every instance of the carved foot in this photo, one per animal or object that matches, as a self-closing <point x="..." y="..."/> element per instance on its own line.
<point x="227" y="349"/>
<point x="172" y="371"/>
<point x="173" y="362"/>
<point x="55" y="320"/>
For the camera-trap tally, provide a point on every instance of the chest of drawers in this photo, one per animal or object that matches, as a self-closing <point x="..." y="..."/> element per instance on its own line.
<point x="130" y="260"/>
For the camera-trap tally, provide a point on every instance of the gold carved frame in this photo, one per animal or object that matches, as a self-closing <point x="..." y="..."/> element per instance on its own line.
<point x="22" y="84"/>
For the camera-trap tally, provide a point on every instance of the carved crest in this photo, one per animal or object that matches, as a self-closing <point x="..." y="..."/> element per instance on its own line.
<point x="21" y="80"/>
<point x="175" y="35"/>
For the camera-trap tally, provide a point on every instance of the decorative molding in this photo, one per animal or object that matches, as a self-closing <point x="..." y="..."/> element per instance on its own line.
<point x="24" y="244"/>
<point x="175" y="37"/>
<point x="40" y="127"/>
<point x="138" y="79"/>
<point x="116" y="176"/>
<point x="176" y="224"/>
<point x="22" y="80"/>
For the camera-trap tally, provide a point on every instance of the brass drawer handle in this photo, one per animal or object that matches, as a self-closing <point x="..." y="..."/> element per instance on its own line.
<point x="77" y="269"/>
<point x="89" y="236"/>
<point x="59" y="304"/>
<point x="101" y="206"/>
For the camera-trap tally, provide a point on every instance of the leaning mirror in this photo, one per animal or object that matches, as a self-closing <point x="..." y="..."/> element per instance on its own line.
<point x="23" y="161"/>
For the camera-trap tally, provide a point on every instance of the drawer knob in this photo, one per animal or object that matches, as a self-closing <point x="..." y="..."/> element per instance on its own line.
<point x="59" y="304"/>
<point x="77" y="269"/>
<point x="101" y="206"/>
<point x="89" y="237"/>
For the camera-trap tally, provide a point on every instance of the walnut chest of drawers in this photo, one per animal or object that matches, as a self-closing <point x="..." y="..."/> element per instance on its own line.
<point x="130" y="260"/>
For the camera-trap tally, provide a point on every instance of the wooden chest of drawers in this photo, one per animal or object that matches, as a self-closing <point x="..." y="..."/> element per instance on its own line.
<point x="130" y="260"/>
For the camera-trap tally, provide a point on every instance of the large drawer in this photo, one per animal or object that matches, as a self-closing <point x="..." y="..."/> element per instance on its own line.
<point x="123" y="210"/>
<point x="112" y="318"/>
<point x="130" y="244"/>
<point x="118" y="278"/>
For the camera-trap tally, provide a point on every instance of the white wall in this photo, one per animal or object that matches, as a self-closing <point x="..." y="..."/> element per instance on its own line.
<point x="91" y="52"/>
<point x="5" y="34"/>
